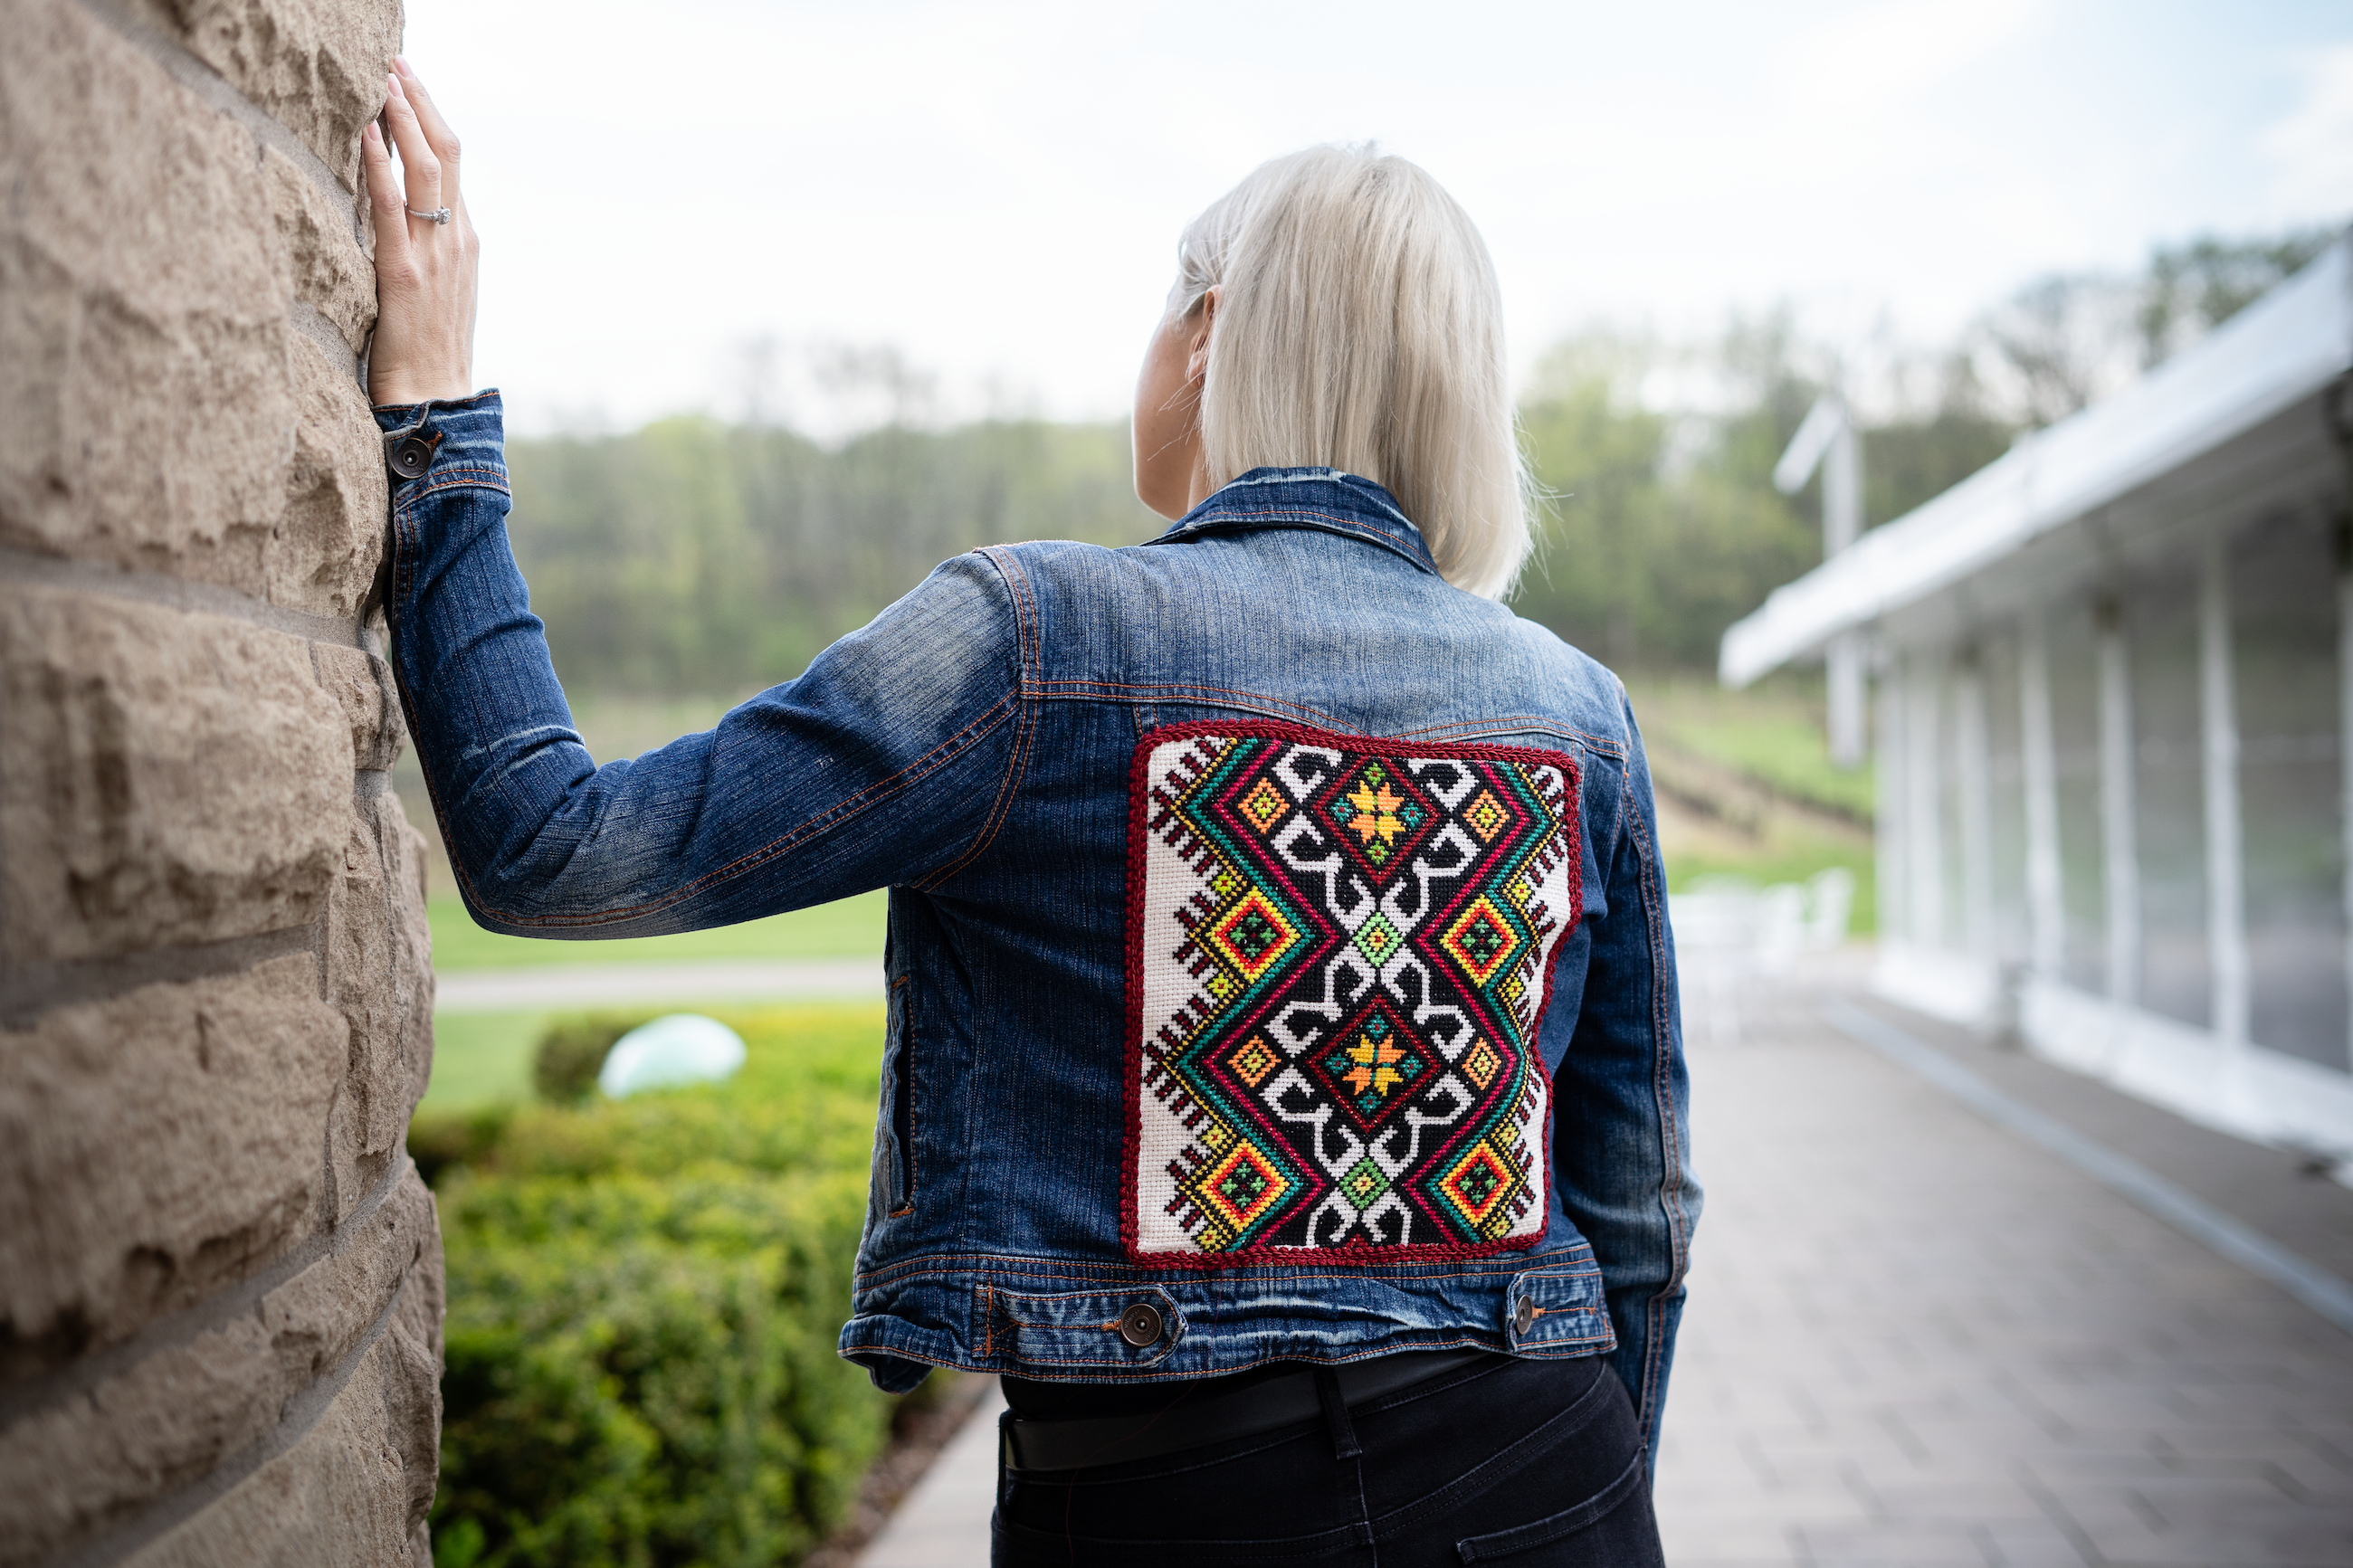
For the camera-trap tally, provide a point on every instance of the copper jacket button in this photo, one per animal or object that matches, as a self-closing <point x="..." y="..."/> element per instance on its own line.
<point x="410" y="457"/>
<point x="1140" y="1325"/>
<point x="1524" y="1317"/>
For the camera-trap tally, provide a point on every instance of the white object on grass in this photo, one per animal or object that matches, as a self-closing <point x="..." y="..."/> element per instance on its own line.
<point x="683" y="1049"/>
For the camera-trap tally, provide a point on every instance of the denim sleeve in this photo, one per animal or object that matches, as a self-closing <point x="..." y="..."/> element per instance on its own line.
<point x="1622" y="1148"/>
<point x="889" y="760"/>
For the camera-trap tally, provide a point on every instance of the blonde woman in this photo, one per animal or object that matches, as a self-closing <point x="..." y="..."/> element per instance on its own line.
<point x="1282" y="1087"/>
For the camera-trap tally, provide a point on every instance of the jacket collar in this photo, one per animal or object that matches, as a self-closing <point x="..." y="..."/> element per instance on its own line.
<point x="1323" y="499"/>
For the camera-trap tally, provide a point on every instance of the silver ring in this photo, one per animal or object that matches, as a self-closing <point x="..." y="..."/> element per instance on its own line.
<point x="439" y="214"/>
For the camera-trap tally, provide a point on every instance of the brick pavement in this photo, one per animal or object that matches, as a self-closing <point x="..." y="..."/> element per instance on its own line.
<point x="1914" y="1340"/>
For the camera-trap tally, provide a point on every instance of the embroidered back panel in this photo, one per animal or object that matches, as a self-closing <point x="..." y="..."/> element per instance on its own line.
<point x="1338" y="951"/>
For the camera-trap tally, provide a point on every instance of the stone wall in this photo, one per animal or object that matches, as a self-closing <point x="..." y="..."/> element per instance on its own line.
<point x="219" y="1276"/>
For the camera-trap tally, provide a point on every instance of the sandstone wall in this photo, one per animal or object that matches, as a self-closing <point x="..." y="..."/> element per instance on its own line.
<point x="219" y="1276"/>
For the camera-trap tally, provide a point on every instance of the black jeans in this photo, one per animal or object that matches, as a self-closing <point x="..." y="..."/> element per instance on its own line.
<point x="1534" y="1463"/>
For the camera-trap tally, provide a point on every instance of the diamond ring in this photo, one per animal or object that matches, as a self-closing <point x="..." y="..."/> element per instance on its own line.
<point x="439" y="214"/>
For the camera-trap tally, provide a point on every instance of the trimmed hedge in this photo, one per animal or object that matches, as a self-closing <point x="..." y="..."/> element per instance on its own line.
<point x="644" y="1301"/>
<point x="570" y="1052"/>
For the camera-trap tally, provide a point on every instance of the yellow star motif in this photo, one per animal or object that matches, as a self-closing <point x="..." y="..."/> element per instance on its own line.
<point x="1375" y="812"/>
<point x="1373" y="1069"/>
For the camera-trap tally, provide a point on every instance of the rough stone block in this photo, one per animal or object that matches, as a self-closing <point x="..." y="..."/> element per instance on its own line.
<point x="362" y="683"/>
<point x="166" y="778"/>
<point x="379" y="974"/>
<point x="347" y="1495"/>
<point x="145" y="411"/>
<point x="159" y="410"/>
<point x="156" y="1147"/>
<point x="417" y="854"/>
<point x="329" y="532"/>
<point x="322" y="261"/>
<point x="81" y="1463"/>
<point x="317" y="66"/>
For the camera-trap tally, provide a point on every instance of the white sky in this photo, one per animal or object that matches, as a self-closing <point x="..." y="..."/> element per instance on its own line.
<point x="995" y="189"/>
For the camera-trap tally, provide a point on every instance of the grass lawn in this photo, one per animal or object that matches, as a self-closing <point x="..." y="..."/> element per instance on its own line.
<point x="1772" y="734"/>
<point x="1791" y="854"/>
<point x="849" y="929"/>
<point x="1783" y="812"/>
<point x="481" y="1059"/>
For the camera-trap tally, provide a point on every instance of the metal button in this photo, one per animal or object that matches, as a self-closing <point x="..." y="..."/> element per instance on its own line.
<point x="1140" y="1325"/>
<point x="409" y="457"/>
<point x="1524" y="1317"/>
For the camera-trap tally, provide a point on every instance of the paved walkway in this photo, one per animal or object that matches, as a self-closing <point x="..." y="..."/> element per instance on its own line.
<point x="716" y="980"/>
<point x="1916" y="1338"/>
<point x="942" y="1522"/>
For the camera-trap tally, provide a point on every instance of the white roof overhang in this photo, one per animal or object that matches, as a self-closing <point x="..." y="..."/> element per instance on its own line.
<point x="2232" y="415"/>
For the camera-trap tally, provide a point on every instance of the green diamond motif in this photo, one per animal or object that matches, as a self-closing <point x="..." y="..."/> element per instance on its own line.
<point x="1364" y="1182"/>
<point x="1376" y="938"/>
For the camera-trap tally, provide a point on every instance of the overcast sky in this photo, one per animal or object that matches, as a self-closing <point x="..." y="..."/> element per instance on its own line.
<point x="995" y="189"/>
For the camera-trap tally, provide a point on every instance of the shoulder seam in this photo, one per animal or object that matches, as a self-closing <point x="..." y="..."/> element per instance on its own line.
<point x="1025" y="676"/>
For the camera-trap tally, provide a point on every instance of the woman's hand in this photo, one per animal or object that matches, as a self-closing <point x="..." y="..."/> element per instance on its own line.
<point x="425" y="271"/>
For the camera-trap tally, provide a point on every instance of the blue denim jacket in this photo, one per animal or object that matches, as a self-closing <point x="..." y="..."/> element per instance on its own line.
<point x="1277" y="936"/>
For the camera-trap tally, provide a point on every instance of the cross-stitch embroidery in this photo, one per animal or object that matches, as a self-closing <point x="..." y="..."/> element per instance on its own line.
<point x="1338" y="953"/>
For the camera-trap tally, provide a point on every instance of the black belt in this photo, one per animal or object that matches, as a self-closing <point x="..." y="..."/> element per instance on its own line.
<point x="1072" y="1445"/>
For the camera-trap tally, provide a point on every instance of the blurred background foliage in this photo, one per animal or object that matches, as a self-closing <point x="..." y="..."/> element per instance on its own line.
<point x="644" y="1300"/>
<point x="697" y="558"/>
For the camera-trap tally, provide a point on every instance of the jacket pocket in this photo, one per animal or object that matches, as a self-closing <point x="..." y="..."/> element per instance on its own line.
<point x="894" y="1178"/>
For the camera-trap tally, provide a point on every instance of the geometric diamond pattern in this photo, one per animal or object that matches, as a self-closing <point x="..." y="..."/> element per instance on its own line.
<point x="1337" y="966"/>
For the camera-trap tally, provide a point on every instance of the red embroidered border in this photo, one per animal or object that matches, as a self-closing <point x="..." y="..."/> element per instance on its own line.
<point x="1132" y="1045"/>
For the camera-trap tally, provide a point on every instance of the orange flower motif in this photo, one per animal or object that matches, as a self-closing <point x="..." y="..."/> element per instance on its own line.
<point x="1377" y="812"/>
<point x="1374" y="1067"/>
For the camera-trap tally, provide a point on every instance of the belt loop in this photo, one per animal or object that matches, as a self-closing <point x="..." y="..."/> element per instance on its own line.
<point x="1336" y="1415"/>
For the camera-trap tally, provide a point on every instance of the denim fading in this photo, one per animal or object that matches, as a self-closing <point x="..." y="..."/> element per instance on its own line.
<point x="969" y="750"/>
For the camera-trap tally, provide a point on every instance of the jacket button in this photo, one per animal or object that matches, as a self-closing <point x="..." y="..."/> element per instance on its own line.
<point x="410" y="457"/>
<point x="1524" y="1317"/>
<point x="1140" y="1325"/>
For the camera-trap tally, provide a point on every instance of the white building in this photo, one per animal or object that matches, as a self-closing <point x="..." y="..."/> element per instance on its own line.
<point x="2114" y="677"/>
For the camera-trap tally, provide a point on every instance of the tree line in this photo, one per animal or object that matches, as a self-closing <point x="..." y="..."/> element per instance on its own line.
<point x="694" y="556"/>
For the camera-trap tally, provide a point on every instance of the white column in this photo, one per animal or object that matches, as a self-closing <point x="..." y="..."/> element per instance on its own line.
<point x="1972" y="776"/>
<point x="2046" y="913"/>
<point x="2345" y="762"/>
<point x="1841" y="526"/>
<point x="1923" y="851"/>
<point x="1888" y="806"/>
<point x="1843" y="685"/>
<point x="2119" y="835"/>
<point x="2218" y="724"/>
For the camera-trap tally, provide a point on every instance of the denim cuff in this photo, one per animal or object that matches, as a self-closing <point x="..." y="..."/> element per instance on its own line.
<point x="452" y="440"/>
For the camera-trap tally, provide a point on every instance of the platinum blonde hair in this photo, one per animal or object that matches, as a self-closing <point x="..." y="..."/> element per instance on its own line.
<point x="1359" y="327"/>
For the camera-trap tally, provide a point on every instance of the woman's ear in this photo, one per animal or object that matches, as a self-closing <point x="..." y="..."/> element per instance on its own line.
<point x="1196" y="358"/>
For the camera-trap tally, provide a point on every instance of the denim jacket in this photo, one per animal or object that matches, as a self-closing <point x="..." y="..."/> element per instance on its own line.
<point x="1278" y="964"/>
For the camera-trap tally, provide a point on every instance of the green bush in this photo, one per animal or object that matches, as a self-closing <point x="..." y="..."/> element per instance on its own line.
<point x="644" y="1301"/>
<point x="570" y="1054"/>
<point x="441" y="1141"/>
